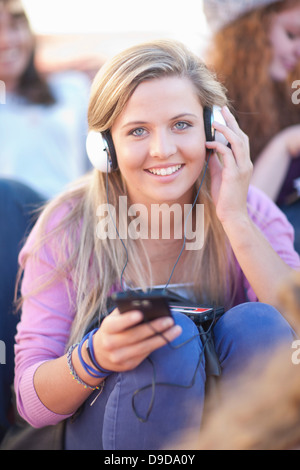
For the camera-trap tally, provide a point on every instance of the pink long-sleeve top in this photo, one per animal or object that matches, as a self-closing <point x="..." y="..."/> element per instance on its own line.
<point x="47" y="316"/>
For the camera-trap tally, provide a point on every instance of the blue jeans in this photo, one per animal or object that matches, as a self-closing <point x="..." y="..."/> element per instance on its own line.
<point x="17" y="202"/>
<point x="145" y="408"/>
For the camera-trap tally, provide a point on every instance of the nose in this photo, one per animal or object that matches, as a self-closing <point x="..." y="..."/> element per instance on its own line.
<point x="162" y="145"/>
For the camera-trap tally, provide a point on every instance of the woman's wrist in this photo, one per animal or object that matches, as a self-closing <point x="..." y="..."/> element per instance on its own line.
<point x="83" y="366"/>
<point x="239" y="230"/>
<point x="79" y="374"/>
<point x="92" y="356"/>
<point x="76" y="371"/>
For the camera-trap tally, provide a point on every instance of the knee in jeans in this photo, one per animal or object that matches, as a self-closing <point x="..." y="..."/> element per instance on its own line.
<point x="254" y="324"/>
<point x="254" y="315"/>
<point x="248" y="330"/>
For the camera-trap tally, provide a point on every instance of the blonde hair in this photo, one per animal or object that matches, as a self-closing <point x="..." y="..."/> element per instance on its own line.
<point x="96" y="265"/>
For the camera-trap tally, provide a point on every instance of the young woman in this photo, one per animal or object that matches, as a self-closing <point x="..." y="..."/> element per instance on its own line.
<point x="152" y="99"/>
<point x="255" y="51"/>
<point x="42" y="119"/>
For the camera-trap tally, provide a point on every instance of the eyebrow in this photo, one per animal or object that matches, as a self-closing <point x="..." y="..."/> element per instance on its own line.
<point x="139" y="123"/>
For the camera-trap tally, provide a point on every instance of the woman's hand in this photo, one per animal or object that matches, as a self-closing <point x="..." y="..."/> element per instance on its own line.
<point x="231" y="170"/>
<point x="230" y="179"/>
<point x="122" y="342"/>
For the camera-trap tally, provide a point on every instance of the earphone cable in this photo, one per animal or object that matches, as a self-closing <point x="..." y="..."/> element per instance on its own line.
<point x="201" y="355"/>
<point x="115" y="226"/>
<point x="154" y="384"/>
<point x="185" y="225"/>
<point x="186" y="220"/>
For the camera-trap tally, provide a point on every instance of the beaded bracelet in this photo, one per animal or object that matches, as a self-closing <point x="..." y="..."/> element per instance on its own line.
<point x="73" y="372"/>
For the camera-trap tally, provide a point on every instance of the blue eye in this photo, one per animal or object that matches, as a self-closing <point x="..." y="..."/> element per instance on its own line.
<point x="138" y="132"/>
<point x="181" y="125"/>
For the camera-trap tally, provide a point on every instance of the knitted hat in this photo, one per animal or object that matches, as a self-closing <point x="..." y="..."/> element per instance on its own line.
<point x="220" y="13"/>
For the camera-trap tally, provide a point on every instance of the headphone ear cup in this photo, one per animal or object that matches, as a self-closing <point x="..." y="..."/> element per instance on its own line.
<point x="218" y="117"/>
<point x="101" y="151"/>
<point x="111" y="151"/>
<point x="207" y="118"/>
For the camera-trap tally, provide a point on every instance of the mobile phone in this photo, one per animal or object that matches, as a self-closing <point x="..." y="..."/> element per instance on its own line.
<point x="151" y="305"/>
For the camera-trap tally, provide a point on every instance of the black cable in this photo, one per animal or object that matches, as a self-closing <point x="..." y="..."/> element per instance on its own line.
<point x="189" y="339"/>
<point x="201" y="355"/>
<point x="186" y="220"/>
<point x="185" y="224"/>
<point x="124" y="246"/>
<point x="154" y="384"/>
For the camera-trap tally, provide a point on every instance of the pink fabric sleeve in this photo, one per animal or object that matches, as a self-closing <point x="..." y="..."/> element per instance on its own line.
<point x="275" y="227"/>
<point x="43" y="331"/>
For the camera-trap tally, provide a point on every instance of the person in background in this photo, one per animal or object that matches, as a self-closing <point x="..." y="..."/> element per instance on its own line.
<point x="42" y="148"/>
<point x="255" y="51"/>
<point x="43" y="119"/>
<point x="18" y="205"/>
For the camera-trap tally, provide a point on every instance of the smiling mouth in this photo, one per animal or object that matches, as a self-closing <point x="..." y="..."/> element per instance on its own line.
<point x="165" y="171"/>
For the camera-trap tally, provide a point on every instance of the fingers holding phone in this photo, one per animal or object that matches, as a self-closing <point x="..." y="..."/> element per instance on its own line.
<point x="124" y="340"/>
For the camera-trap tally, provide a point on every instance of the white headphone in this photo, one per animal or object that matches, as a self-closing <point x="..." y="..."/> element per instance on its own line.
<point x="101" y="150"/>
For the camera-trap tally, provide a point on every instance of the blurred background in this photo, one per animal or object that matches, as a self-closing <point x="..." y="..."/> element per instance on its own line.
<point x="82" y="34"/>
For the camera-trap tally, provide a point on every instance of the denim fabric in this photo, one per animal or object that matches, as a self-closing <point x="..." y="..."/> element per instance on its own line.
<point x="248" y="330"/>
<point x="17" y="202"/>
<point x="112" y="423"/>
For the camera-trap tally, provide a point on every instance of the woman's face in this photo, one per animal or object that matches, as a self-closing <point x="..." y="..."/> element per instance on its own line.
<point x="160" y="141"/>
<point x="285" y="41"/>
<point x="16" y="45"/>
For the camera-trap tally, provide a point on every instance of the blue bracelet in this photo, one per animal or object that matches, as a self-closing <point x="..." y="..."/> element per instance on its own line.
<point x="88" y="369"/>
<point x="97" y="373"/>
<point x="91" y="354"/>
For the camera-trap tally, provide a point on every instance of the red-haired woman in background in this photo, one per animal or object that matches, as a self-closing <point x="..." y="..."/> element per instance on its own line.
<point x="256" y="54"/>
